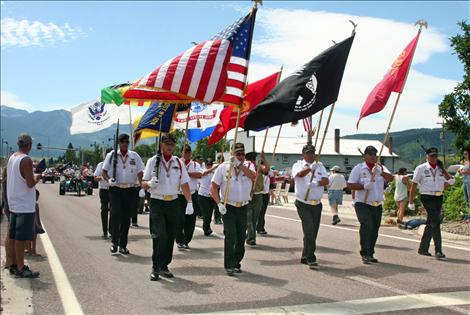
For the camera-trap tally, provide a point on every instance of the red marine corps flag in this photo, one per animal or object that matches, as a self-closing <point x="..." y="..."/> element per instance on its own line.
<point x="393" y="81"/>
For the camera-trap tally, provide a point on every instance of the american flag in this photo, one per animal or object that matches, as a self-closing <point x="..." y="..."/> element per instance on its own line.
<point x="214" y="70"/>
<point x="307" y="123"/>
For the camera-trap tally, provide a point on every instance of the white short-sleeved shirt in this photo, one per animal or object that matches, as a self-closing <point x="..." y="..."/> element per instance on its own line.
<point x="266" y="180"/>
<point x="337" y="182"/>
<point x="192" y="167"/>
<point x="301" y="183"/>
<point x="240" y="184"/>
<point x="361" y="174"/>
<point x="102" y="184"/>
<point x="205" y="184"/>
<point x="127" y="167"/>
<point x="430" y="181"/>
<point x="171" y="176"/>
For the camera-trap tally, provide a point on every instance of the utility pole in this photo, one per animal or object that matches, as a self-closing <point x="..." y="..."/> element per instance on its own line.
<point x="443" y="142"/>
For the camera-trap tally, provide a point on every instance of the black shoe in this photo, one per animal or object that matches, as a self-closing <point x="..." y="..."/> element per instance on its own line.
<point x="262" y="232"/>
<point x="251" y="243"/>
<point x="237" y="270"/>
<point x="440" y="255"/>
<point x="154" y="275"/>
<point x="135" y="225"/>
<point x="336" y="219"/>
<point x="104" y="236"/>
<point x="113" y="249"/>
<point x="372" y="259"/>
<point x="26" y="273"/>
<point x="124" y="251"/>
<point x="421" y="252"/>
<point x="207" y="233"/>
<point x="303" y="260"/>
<point x="12" y="269"/>
<point x="180" y="245"/>
<point x="218" y="222"/>
<point x="312" y="264"/>
<point x="366" y="260"/>
<point x="166" y="273"/>
<point x="185" y="246"/>
<point x="229" y="271"/>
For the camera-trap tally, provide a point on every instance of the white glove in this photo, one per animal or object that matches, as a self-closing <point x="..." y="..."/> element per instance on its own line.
<point x="369" y="185"/>
<point x="112" y="182"/>
<point x="451" y="181"/>
<point x="236" y="162"/>
<point x="141" y="193"/>
<point x="189" y="208"/>
<point x="353" y="202"/>
<point x="411" y="206"/>
<point x="376" y="169"/>
<point x="222" y="208"/>
<point x="313" y="184"/>
<point x="153" y="183"/>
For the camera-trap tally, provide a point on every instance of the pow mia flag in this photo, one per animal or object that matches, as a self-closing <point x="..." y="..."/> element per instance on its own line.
<point x="305" y="92"/>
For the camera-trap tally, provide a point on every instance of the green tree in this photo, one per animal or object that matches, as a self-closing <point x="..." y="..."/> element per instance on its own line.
<point x="209" y="151"/>
<point x="145" y="150"/>
<point x="70" y="154"/>
<point x="455" y="108"/>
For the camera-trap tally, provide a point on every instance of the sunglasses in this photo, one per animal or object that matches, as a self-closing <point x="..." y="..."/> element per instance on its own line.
<point x="124" y="141"/>
<point x="240" y="154"/>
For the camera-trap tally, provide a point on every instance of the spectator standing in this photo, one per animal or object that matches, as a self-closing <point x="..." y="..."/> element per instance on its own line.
<point x="335" y="192"/>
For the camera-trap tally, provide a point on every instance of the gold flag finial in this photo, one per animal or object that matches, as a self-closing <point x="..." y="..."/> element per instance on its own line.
<point x="422" y="23"/>
<point x="256" y="2"/>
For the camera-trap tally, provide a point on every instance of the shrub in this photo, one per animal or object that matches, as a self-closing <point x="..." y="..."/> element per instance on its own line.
<point x="454" y="201"/>
<point x="390" y="206"/>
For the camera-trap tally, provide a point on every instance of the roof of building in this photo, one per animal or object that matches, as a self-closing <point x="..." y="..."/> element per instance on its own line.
<point x="347" y="147"/>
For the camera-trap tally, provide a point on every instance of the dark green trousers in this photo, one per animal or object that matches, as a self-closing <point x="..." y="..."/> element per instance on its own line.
<point x="310" y="216"/>
<point x="433" y="205"/>
<point x="234" y="231"/>
<point x="207" y="206"/>
<point x="252" y="212"/>
<point x="369" y="217"/>
<point x="262" y="214"/>
<point x="163" y="220"/>
<point x="186" y="223"/>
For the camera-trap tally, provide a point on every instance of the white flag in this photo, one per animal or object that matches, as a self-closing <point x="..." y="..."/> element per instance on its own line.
<point x="201" y="116"/>
<point x="95" y="116"/>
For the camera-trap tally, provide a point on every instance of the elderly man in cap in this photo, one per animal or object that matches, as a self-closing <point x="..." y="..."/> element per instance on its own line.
<point x="335" y="191"/>
<point x="234" y="207"/>
<point x="310" y="179"/>
<point x="21" y="196"/>
<point x="122" y="179"/>
<point x="367" y="179"/>
<point x="431" y="178"/>
<point x="164" y="175"/>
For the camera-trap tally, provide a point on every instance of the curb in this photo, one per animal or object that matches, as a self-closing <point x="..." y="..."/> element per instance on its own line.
<point x="446" y="235"/>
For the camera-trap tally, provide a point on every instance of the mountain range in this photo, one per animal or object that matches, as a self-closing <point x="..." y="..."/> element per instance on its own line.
<point x="52" y="129"/>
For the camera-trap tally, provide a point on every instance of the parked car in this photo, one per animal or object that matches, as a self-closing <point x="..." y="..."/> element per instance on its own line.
<point x="452" y="169"/>
<point x="284" y="176"/>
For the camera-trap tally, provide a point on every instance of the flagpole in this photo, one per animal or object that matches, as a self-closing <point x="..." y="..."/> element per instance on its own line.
<point x="317" y="158"/>
<point x="421" y="23"/>
<point x="252" y="15"/>
<point x="275" y="144"/>
<point x="131" y="127"/>
<point x="318" y="129"/>
<point x="186" y="128"/>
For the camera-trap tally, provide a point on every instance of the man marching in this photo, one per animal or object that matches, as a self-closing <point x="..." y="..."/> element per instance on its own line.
<point x="187" y="223"/>
<point x="234" y="212"/>
<point x="367" y="179"/>
<point x="206" y="203"/>
<point x="431" y="177"/>
<point x="163" y="180"/>
<point x="122" y="181"/>
<point x="104" y="198"/>
<point x="310" y="178"/>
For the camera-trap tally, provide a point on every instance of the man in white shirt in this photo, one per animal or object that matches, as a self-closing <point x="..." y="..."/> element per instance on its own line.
<point x="187" y="223"/>
<point x="122" y="181"/>
<point x="431" y="178"/>
<point x="233" y="208"/>
<point x="310" y="179"/>
<point x="103" y="187"/>
<point x="335" y="192"/>
<point x="164" y="176"/>
<point x="260" y="226"/>
<point x="368" y="179"/>
<point x="206" y="203"/>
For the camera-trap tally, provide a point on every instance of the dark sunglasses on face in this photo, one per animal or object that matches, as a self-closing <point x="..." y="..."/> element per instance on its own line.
<point x="124" y="141"/>
<point x="240" y="154"/>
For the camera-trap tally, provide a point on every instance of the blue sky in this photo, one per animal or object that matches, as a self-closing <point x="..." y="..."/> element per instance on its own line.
<point x="67" y="51"/>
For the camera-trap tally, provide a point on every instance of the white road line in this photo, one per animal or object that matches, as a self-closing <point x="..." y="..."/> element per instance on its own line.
<point x="398" y="291"/>
<point x="383" y="235"/>
<point x="66" y="293"/>
<point x="367" y="306"/>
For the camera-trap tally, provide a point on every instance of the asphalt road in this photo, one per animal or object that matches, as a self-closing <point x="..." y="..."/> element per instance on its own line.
<point x="273" y="280"/>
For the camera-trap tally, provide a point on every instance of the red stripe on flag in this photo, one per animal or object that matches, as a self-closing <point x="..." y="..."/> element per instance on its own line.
<point x="207" y="72"/>
<point x="223" y="77"/>
<point x="189" y="70"/>
<point x="236" y="68"/>
<point x="227" y="98"/>
<point x="235" y="84"/>
<point x="170" y="73"/>
<point x="152" y="78"/>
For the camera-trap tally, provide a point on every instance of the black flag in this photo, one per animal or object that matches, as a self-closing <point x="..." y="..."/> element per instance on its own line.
<point x="305" y="92"/>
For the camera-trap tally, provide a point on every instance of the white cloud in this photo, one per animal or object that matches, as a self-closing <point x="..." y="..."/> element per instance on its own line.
<point x="11" y="100"/>
<point x="25" y="33"/>
<point x="293" y="37"/>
